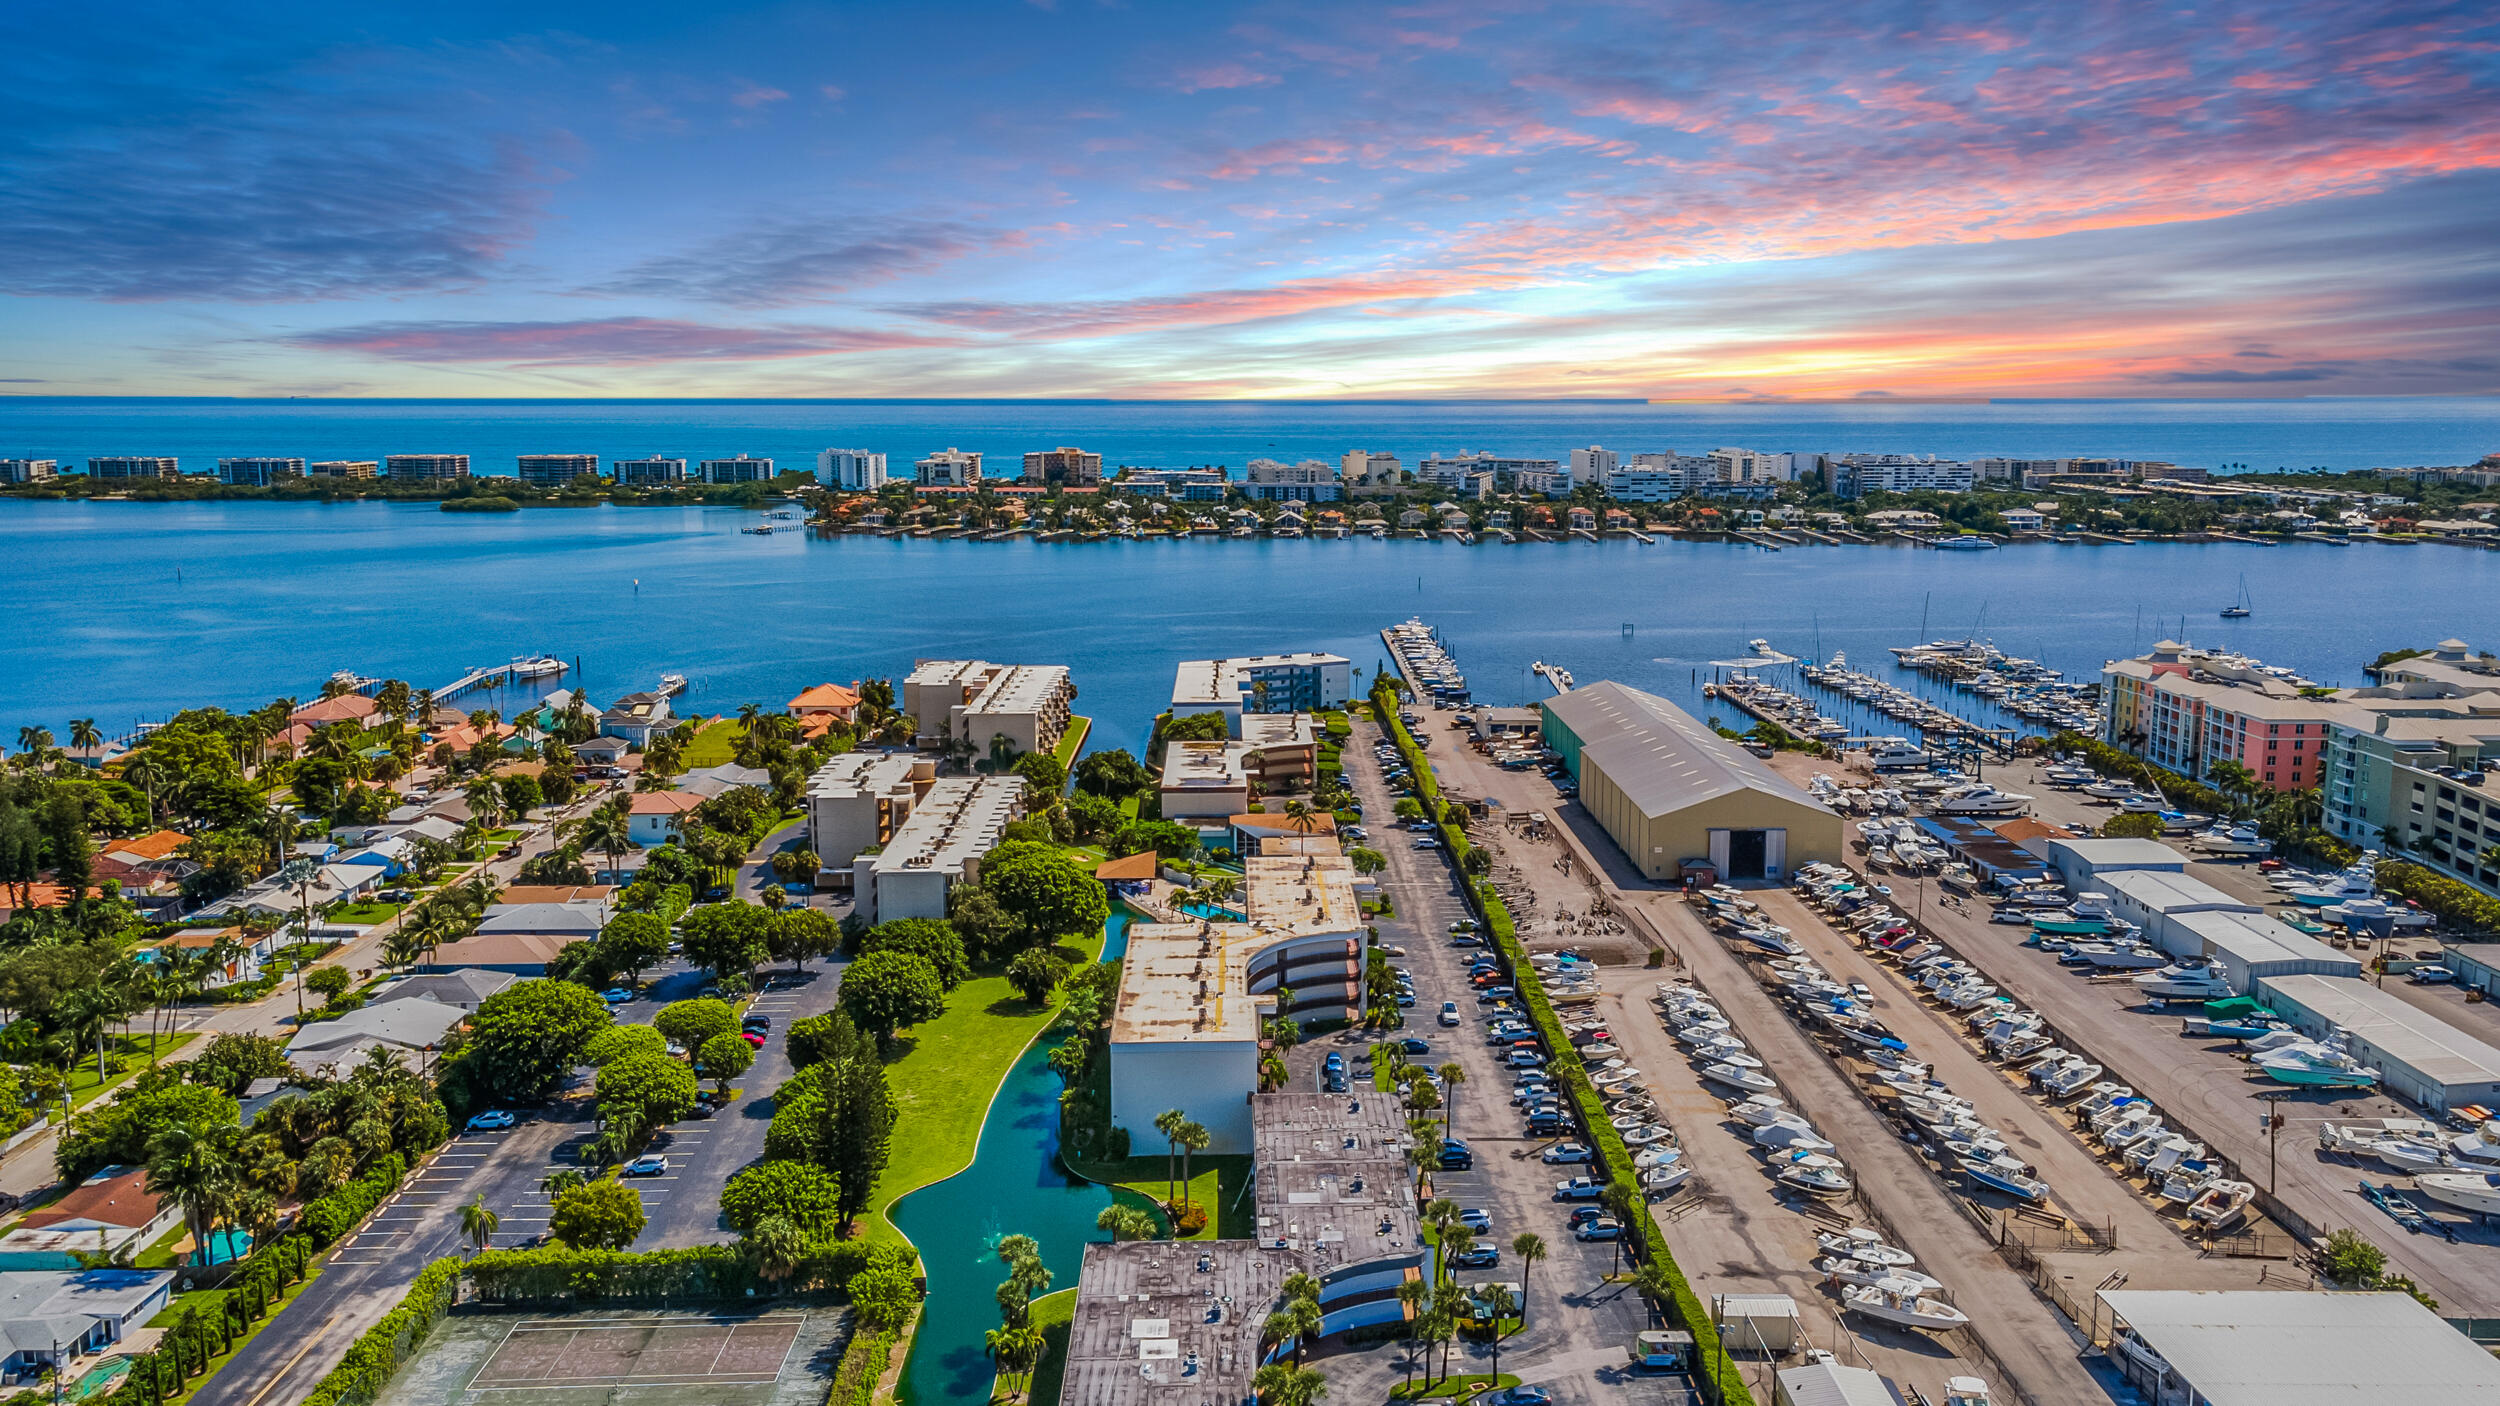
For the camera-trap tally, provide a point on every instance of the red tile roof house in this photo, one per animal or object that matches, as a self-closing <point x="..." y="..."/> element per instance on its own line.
<point x="655" y="818"/>
<point x="108" y="1211"/>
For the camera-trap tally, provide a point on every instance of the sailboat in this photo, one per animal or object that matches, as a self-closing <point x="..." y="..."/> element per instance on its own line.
<point x="2238" y="609"/>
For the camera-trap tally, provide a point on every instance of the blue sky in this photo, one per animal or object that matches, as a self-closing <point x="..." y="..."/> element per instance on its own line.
<point x="1076" y="199"/>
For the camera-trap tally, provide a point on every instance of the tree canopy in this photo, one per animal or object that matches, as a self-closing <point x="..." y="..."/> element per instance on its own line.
<point x="649" y="1089"/>
<point x="1045" y="891"/>
<point x="597" y="1215"/>
<point x="1112" y="774"/>
<point x="804" y="1195"/>
<point x="690" y="1023"/>
<point x="886" y="991"/>
<point x="932" y="938"/>
<point x="727" y="939"/>
<point x="525" y="1038"/>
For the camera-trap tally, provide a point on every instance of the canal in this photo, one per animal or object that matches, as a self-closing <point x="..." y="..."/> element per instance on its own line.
<point x="1015" y="1186"/>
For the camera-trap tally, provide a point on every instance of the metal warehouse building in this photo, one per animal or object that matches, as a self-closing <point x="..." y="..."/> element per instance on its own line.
<point x="1668" y="789"/>
<point x="2082" y="861"/>
<point x="2154" y="900"/>
<point x="2419" y="1057"/>
<point x="2247" y="948"/>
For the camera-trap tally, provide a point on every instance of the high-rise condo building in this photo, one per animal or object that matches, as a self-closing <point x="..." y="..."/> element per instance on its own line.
<point x="342" y="468"/>
<point x="29" y="470"/>
<point x="134" y="466"/>
<point x="556" y="470"/>
<point x="258" y="472"/>
<point x="656" y="469"/>
<point x="1064" y="467"/>
<point x="858" y="470"/>
<point x="949" y="468"/>
<point x="426" y="468"/>
<point x="743" y="469"/>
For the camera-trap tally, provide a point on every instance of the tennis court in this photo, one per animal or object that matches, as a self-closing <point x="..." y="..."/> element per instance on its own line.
<point x="624" y="1359"/>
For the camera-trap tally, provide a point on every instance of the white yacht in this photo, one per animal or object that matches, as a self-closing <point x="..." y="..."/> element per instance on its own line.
<point x="1895" y="754"/>
<point x="2237" y="839"/>
<point x="1980" y="798"/>
<point x="2478" y="1192"/>
<point x="2185" y="983"/>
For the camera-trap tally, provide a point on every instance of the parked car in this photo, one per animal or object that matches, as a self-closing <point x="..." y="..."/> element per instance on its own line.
<point x="1563" y="1152"/>
<point x="1413" y="1046"/>
<point x="649" y="1164"/>
<point x="1477" y="1219"/>
<point x="1427" y="843"/>
<point x="1476" y="1257"/>
<point x="1525" y="1059"/>
<point x="493" y="1120"/>
<point x="1608" y="1229"/>
<point x="1449" y="1012"/>
<point x="1518" y="1396"/>
<point x="616" y="996"/>
<point x="1579" y="1189"/>
<point x="1582" y="1215"/>
<point x="1455" y="1157"/>
<point x="756" y="1022"/>
<point x="755" y="1038"/>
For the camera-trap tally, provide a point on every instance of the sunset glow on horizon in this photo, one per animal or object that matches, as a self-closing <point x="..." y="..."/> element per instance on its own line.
<point x="1269" y="200"/>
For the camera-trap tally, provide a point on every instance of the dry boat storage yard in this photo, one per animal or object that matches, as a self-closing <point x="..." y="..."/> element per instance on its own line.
<point x="623" y="1359"/>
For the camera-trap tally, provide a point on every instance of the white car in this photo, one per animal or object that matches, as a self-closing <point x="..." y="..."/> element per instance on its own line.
<point x="1449" y="1012"/>
<point x="1563" y="1152"/>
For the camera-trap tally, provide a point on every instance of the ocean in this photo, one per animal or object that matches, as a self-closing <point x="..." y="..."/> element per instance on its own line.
<point x="129" y="611"/>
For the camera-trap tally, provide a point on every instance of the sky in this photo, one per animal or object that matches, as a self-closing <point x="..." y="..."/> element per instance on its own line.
<point x="1726" y="199"/>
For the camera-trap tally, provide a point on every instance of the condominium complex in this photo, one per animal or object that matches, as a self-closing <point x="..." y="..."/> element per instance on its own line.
<point x="1899" y="473"/>
<point x="2410" y="767"/>
<point x="858" y="470"/>
<point x="1595" y="464"/>
<point x="1261" y="683"/>
<point x="258" y="472"/>
<point x="857" y="801"/>
<point x="342" y="468"/>
<point x="1311" y="481"/>
<point x="555" y="470"/>
<point x="949" y="468"/>
<point x="426" y="468"/>
<point x="957" y="820"/>
<point x="2189" y="709"/>
<point x="1204" y="485"/>
<point x="1211" y="781"/>
<point x="113" y="466"/>
<point x="1195" y="996"/>
<point x="1365" y="468"/>
<point x="28" y="470"/>
<point x="977" y="701"/>
<point x="1064" y="467"/>
<point x="744" y="468"/>
<point x="656" y="469"/>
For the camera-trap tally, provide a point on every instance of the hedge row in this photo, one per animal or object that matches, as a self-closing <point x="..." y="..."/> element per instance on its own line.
<point x="863" y="1366"/>
<point x="377" y="1356"/>
<point x="557" y="1274"/>
<point x="332" y="1216"/>
<point x="1614" y="1160"/>
<point x="185" y="1349"/>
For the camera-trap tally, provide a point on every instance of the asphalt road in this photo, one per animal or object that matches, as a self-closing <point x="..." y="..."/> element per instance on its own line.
<point x="1576" y="1323"/>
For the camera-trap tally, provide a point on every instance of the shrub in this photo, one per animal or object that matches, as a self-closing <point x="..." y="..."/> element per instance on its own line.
<point x="556" y="1274"/>
<point x="376" y="1357"/>
<point x="332" y="1216"/>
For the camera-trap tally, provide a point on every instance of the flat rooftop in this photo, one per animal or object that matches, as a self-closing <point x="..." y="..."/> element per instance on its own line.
<point x="1279" y="730"/>
<point x="1170" y="1322"/>
<point x="1333" y="1176"/>
<point x="2259" y="1348"/>
<point x="2164" y="892"/>
<point x="962" y="817"/>
<point x="865" y="773"/>
<point x="1021" y="688"/>
<point x="2257" y="940"/>
<point x="1306" y="892"/>
<point x="2427" y="1045"/>
<point x="1190" y="981"/>
<point x="1203" y="766"/>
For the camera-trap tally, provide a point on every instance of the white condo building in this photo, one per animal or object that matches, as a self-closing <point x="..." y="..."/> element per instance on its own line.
<point x="745" y="468"/>
<point x="1595" y="464"/>
<point x="858" y="470"/>
<point x="1901" y="473"/>
<point x="1261" y="683"/>
<point x="655" y="469"/>
<point x="976" y="700"/>
<point x="949" y="468"/>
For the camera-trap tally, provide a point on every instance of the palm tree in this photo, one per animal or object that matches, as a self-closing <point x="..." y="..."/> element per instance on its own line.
<point x="1284" y="1384"/>
<point x="145" y="772"/>
<point x="1500" y="1304"/>
<point x="1413" y="1293"/>
<point x="1529" y="1247"/>
<point x="478" y="1222"/>
<point x="88" y="1010"/>
<point x="193" y="1164"/>
<point x="778" y="1247"/>
<point x="1125" y="1223"/>
<point x="1451" y="1077"/>
<point x="1017" y="1351"/>
<point x="608" y="829"/>
<point x="83" y="734"/>
<point x="1168" y="1123"/>
<point x="1193" y="1137"/>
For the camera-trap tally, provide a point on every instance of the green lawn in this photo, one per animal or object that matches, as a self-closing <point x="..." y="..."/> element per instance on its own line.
<point x="84" y="1088"/>
<point x="1213" y="1181"/>
<point x="1072" y="741"/>
<point x="207" y="1299"/>
<point x="365" y="915"/>
<point x="1052" y="1313"/>
<point x="714" y="744"/>
<point x="944" y="1080"/>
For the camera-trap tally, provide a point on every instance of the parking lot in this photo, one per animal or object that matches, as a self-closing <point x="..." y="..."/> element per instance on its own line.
<point x="1578" y="1324"/>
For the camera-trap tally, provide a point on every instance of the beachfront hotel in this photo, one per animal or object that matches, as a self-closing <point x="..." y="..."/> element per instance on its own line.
<point x="976" y="701"/>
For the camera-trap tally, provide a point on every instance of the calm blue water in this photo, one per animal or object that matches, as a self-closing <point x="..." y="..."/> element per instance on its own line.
<point x="1015" y="1186"/>
<point x="2261" y="434"/>
<point x="146" y="608"/>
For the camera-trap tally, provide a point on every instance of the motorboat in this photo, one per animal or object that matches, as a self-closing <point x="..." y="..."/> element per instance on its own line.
<point x="2356" y="1138"/>
<point x="1966" y="995"/>
<point x="2375" y="915"/>
<point x="2070" y="1078"/>
<point x="1647" y="1133"/>
<point x="2108" y="790"/>
<point x="2102" y="1097"/>
<point x="1966" y="1391"/>
<point x="2127" y="1132"/>
<point x="1860" y="1243"/>
<point x="1649" y="1157"/>
<point x="2307" y="1063"/>
<point x="2153" y="1160"/>
<point x="2358" y="880"/>
<point x="1799" y="1135"/>
<point x="1762" y="1110"/>
<point x="1980" y="798"/>
<point x="2182" y="982"/>
<point x="1842" y="1269"/>
<point x="1729" y="1074"/>
<point x="2182" y="1184"/>
<point x="2410" y="1154"/>
<point x="2478" y="1192"/>
<point x="2069" y="776"/>
<point x="2024" y="1046"/>
<point x="1975" y="1140"/>
<point x="1805" y="1157"/>
<point x="2233" y="840"/>
<point x="1904" y="1306"/>
<point x="2002" y="1173"/>
<point x="1817" y="1181"/>
<point x="1660" y="1180"/>
<point x="2222" y="1204"/>
<point x="2130" y="957"/>
<point x="2061" y="922"/>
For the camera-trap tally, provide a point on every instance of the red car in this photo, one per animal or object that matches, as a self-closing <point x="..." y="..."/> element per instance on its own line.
<point x="752" y="1037"/>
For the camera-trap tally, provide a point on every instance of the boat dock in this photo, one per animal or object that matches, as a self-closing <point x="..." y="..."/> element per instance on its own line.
<point x="1553" y="674"/>
<point x="1424" y="663"/>
<point x="1934" y="724"/>
<point x="493" y="675"/>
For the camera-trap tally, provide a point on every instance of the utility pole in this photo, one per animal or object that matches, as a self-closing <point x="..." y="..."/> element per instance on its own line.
<point x="2274" y="1130"/>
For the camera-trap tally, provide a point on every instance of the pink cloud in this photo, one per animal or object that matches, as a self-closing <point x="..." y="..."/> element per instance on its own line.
<point x="751" y="95"/>
<point x="1279" y="156"/>
<point x="1220" y="76"/>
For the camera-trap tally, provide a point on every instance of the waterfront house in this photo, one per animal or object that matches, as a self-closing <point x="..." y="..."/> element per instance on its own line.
<point x="1411" y="518"/>
<point x="826" y="703"/>
<point x="1582" y="520"/>
<point x="1498" y="520"/>
<point x="1902" y="520"/>
<point x="1617" y="520"/>
<point x="50" y="1316"/>
<point x="346" y="707"/>
<point x="2023" y="520"/>
<point x="656" y="818"/>
<point x="601" y="751"/>
<point x="635" y="717"/>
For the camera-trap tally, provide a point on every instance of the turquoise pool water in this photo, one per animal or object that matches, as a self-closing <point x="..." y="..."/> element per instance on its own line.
<point x="1209" y="910"/>
<point x="1015" y="1186"/>
<point x="228" y="1245"/>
